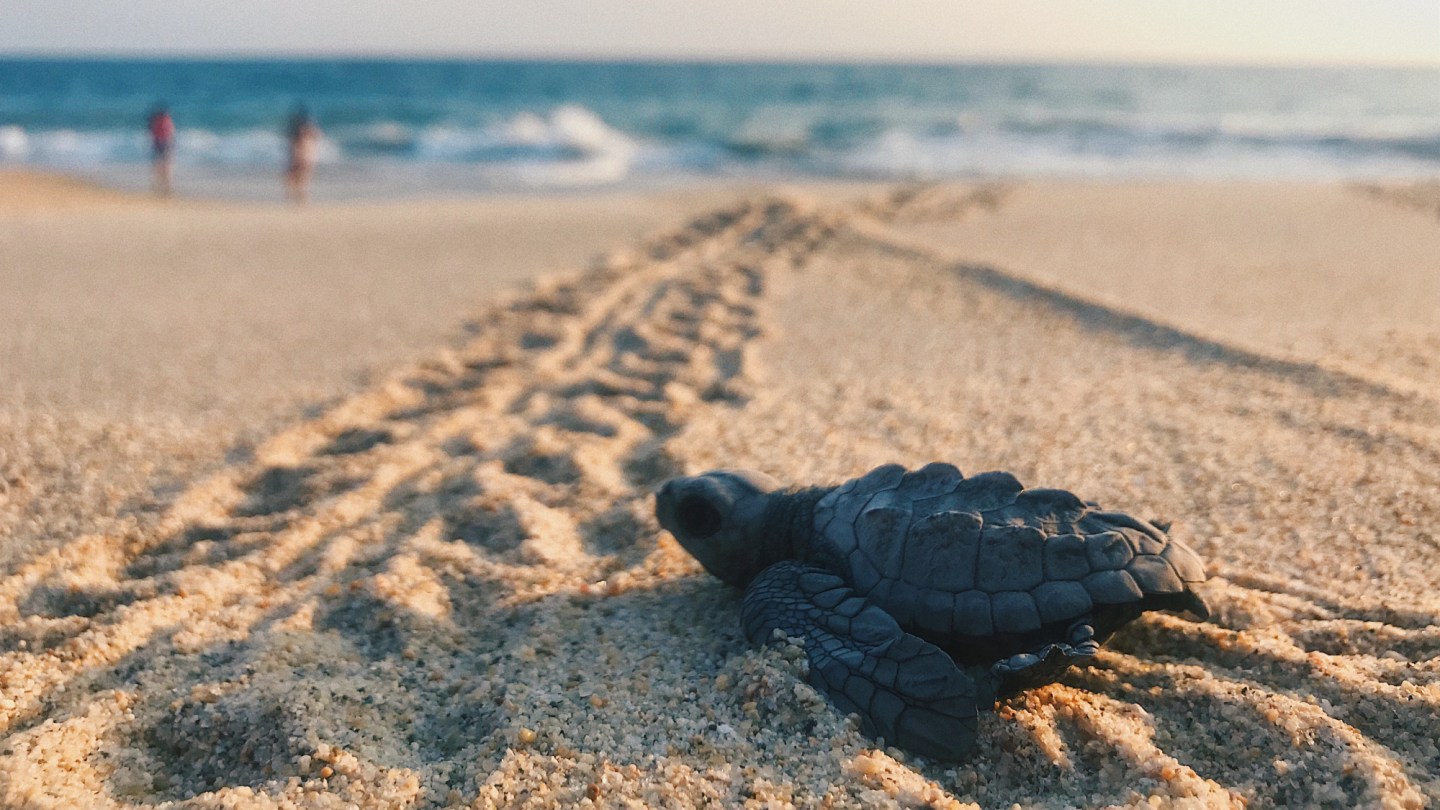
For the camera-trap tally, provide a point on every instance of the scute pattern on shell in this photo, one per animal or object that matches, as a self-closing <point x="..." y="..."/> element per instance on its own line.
<point x="973" y="556"/>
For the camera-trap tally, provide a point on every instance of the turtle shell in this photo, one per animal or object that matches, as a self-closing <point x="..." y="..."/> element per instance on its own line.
<point x="961" y="557"/>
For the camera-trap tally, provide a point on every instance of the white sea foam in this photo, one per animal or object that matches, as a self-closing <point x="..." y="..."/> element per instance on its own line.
<point x="14" y="143"/>
<point x="568" y="146"/>
<point x="567" y="133"/>
<point x="987" y="150"/>
<point x="73" y="148"/>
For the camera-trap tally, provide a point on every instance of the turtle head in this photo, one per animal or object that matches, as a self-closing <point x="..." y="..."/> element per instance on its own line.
<point x="720" y="518"/>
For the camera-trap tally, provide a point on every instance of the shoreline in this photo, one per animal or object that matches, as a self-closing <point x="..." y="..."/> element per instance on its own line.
<point x="48" y="186"/>
<point x="24" y="190"/>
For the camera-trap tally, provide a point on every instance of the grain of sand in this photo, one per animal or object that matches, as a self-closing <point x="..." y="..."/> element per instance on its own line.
<point x="447" y="589"/>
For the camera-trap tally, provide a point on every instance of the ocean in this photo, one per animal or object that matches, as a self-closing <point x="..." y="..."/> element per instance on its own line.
<point x="396" y="127"/>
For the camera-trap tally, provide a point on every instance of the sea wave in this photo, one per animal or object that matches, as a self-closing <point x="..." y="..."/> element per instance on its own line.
<point x="569" y="132"/>
<point x="901" y="153"/>
<point x="571" y="145"/>
<point x="1094" y="143"/>
<point x="567" y="145"/>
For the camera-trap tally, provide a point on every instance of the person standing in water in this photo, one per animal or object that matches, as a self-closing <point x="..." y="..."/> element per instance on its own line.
<point x="303" y="137"/>
<point x="162" y="148"/>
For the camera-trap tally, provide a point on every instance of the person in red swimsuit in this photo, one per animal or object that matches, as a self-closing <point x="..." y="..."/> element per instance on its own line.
<point x="162" y="148"/>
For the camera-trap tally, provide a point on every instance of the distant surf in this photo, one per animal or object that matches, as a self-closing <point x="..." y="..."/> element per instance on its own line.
<point x="411" y="125"/>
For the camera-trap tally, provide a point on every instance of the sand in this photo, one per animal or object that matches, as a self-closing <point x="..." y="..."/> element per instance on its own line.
<point x="445" y="587"/>
<point x="145" y="340"/>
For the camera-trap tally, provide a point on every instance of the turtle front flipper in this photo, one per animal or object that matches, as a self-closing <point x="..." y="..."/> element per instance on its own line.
<point x="1047" y="662"/>
<point x="904" y="689"/>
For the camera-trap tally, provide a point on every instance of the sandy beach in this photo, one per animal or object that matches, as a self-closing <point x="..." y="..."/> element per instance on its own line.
<point x="144" y="336"/>
<point x="351" y="506"/>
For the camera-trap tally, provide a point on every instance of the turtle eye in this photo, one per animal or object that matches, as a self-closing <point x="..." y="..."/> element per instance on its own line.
<point x="697" y="516"/>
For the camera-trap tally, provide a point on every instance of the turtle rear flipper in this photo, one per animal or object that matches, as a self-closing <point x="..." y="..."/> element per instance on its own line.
<point x="1190" y="601"/>
<point x="904" y="689"/>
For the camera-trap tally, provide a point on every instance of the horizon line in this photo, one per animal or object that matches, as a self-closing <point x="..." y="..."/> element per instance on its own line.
<point x="708" y="59"/>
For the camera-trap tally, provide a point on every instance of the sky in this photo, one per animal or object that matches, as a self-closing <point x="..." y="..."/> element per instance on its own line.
<point x="1387" y="32"/>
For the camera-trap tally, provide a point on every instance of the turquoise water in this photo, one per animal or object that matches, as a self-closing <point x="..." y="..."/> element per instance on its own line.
<point x="477" y="125"/>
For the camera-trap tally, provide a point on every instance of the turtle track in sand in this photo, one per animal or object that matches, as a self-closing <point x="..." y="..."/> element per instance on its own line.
<point x="1422" y="195"/>
<point x="291" y="605"/>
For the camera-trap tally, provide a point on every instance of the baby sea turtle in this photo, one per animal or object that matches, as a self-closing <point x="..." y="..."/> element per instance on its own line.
<point x="923" y="596"/>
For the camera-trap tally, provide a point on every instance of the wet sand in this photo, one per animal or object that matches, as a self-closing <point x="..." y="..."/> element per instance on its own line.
<point x="444" y="586"/>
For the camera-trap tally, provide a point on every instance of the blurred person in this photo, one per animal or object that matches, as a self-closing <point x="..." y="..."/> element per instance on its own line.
<point x="162" y="148"/>
<point x="303" y="136"/>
